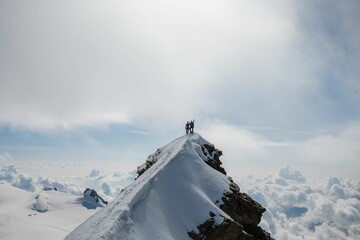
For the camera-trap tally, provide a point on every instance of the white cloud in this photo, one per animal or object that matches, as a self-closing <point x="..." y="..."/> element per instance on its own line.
<point x="61" y="186"/>
<point x="94" y="173"/>
<point x="334" y="147"/>
<point x="25" y="182"/>
<point x="8" y="173"/>
<point x="320" y="154"/>
<point x="290" y="174"/>
<point x="334" y="153"/>
<point x="109" y="184"/>
<point x="5" y="157"/>
<point x="348" y="212"/>
<point x="11" y="175"/>
<point x="235" y="141"/>
<point x="309" y="209"/>
<point x="155" y="63"/>
<point x="291" y="199"/>
<point x="106" y="188"/>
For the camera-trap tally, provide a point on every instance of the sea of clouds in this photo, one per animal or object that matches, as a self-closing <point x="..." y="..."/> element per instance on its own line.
<point x="107" y="185"/>
<point x="300" y="208"/>
<point x="296" y="207"/>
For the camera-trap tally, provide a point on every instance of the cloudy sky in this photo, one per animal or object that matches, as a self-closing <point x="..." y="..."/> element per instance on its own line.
<point x="269" y="82"/>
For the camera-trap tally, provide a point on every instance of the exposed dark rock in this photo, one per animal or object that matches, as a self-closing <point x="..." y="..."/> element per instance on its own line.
<point x="48" y="188"/>
<point x="213" y="157"/>
<point x="234" y="187"/>
<point x="91" y="194"/>
<point x="257" y="232"/>
<point x="230" y="230"/>
<point x="242" y="208"/>
<point x="246" y="215"/>
<point x="148" y="163"/>
<point x="244" y="211"/>
<point x="207" y="226"/>
<point x="227" y="230"/>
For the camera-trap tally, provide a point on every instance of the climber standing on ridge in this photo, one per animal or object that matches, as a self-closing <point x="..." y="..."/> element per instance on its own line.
<point x="187" y="127"/>
<point x="192" y="126"/>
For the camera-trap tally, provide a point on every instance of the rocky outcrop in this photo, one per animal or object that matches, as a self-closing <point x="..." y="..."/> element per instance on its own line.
<point x="213" y="157"/>
<point x="149" y="162"/>
<point x="48" y="188"/>
<point x="90" y="196"/>
<point x="227" y="230"/>
<point x="212" y="154"/>
<point x="245" y="212"/>
<point x="246" y="215"/>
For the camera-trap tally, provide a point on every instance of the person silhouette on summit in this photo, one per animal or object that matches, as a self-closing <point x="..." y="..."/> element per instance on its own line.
<point x="192" y="126"/>
<point x="187" y="127"/>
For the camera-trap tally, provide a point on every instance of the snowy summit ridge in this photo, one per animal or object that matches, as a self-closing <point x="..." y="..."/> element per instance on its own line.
<point x="178" y="195"/>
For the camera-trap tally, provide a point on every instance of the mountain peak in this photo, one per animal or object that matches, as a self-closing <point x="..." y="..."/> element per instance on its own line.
<point x="181" y="192"/>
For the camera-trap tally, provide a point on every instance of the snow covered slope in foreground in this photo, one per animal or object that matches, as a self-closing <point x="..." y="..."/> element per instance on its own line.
<point x="58" y="214"/>
<point x="167" y="201"/>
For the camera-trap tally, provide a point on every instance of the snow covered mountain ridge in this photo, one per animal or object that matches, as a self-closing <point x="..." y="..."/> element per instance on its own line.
<point x="182" y="192"/>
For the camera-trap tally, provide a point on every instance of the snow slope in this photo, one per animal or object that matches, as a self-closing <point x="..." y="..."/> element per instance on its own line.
<point x="171" y="198"/>
<point x="58" y="214"/>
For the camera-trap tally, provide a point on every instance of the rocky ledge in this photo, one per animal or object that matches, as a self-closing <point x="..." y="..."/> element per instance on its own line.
<point x="245" y="212"/>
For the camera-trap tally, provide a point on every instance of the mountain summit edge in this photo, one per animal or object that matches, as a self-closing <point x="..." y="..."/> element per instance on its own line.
<point x="182" y="192"/>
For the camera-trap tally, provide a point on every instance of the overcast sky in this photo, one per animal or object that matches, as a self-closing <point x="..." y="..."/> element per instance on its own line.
<point x="269" y="82"/>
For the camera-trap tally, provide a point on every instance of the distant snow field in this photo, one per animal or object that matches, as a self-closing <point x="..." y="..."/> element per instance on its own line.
<point x="50" y="215"/>
<point x="297" y="207"/>
<point x="29" y="212"/>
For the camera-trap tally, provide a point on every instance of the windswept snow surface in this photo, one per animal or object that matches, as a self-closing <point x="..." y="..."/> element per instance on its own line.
<point x="45" y="215"/>
<point x="171" y="198"/>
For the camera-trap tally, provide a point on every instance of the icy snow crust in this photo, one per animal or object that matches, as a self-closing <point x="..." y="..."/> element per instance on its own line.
<point x="170" y="199"/>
